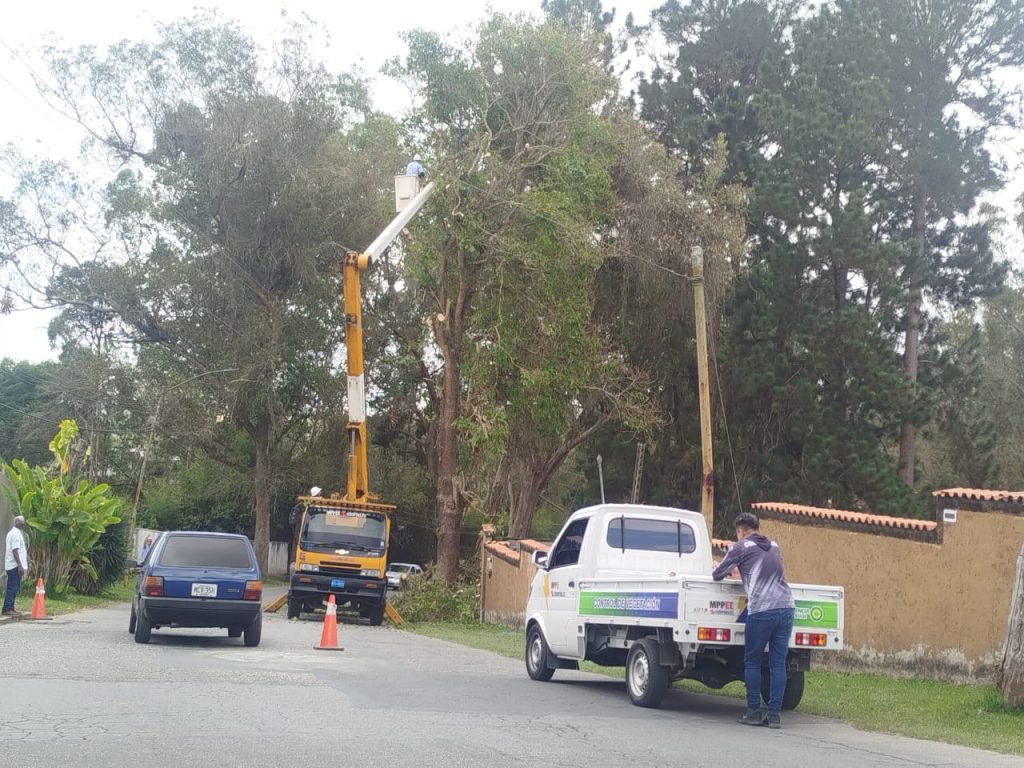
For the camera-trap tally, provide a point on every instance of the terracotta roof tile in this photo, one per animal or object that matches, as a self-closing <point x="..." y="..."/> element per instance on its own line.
<point x="979" y="494"/>
<point x="532" y="545"/>
<point x="503" y="551"/>
<point x="840" y="515"/>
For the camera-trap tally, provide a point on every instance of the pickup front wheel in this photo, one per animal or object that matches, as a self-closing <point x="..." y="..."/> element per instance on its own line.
<point x="537" y="654"/>
<point x="646" y="679"/>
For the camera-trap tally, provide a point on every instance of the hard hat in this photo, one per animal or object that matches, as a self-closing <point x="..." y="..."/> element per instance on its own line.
<point x="315" y="490"/>
<point x="416" y="158"/>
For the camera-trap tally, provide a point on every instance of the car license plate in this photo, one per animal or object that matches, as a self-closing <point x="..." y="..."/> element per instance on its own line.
<point x="337" y="583"/>
<point x="204" y="590"/>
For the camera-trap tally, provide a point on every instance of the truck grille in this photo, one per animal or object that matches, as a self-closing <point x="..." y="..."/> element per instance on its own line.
<point x="339" y="570"/>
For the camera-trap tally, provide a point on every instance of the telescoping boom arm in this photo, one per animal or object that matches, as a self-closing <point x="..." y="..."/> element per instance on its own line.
<point x="357" y="487"/>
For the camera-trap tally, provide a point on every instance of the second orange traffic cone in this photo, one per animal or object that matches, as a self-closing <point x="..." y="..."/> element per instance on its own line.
<point x="39" y="602"/>
<point x="329" y="634"/>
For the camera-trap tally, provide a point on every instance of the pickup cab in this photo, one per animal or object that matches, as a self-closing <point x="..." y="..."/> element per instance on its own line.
<point x="628" y="585"/>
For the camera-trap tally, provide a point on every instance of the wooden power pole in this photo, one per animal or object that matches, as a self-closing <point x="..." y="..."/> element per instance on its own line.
<point x="707" y="487"/>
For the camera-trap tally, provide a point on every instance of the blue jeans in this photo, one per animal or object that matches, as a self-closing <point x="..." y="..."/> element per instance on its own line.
<point x="13" y="585"/>
<point x="771" y="628"/>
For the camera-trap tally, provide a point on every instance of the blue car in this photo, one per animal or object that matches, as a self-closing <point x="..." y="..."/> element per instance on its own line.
<point x="193" y="579"/>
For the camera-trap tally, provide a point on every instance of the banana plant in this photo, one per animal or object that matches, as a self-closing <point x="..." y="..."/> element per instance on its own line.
<point x="66" y="515"/>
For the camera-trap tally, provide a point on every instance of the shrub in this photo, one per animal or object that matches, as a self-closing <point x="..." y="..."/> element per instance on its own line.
<point x="425" y="598"/>
<point x="107" y="557"/>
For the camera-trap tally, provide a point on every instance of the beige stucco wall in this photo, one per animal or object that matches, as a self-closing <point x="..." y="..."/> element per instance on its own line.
<point x="940" y="607"/>
<point x="506" y="588"/>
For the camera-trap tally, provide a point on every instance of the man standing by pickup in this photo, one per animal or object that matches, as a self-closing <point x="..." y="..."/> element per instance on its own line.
<point x="769" y="616"/>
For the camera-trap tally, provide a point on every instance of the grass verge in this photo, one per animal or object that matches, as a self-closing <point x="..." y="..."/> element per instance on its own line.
<point x="969" y="715"/>
<point x="71" y="601"/>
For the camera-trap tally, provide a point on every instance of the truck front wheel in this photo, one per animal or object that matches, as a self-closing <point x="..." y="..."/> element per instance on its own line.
<point x="294" y="608"/>
<point x="646" y="679"/>
<point x="537" y="654"/>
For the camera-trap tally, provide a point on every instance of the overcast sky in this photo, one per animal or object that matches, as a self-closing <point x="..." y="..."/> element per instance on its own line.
<point x="361" y="33"/>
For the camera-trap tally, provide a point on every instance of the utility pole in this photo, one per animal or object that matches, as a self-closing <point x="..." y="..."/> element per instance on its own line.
<point x="707" y="487"/>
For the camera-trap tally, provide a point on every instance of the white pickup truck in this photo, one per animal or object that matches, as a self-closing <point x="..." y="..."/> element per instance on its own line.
<point x="626" y="585"/>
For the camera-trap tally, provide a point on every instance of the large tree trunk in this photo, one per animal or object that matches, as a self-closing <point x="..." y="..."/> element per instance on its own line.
<point x="913" y="335"/>
<point x="448" y="503"/>
<point x="263" y="489"/>
<point x="1011" y="672"/>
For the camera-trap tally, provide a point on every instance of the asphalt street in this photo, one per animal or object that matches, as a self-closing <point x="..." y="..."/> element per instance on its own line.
<point x="78" y="691"/>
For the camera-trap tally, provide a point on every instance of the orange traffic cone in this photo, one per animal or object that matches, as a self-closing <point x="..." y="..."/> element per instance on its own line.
<point x="39" y="603"/>
<point x="329" y="635"/>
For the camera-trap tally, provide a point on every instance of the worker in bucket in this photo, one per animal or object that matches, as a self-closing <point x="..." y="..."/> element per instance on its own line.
<point x="414" y="168"/>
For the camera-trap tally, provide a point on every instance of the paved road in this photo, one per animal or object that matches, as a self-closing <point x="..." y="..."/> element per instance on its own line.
<point x="78" y="691"/>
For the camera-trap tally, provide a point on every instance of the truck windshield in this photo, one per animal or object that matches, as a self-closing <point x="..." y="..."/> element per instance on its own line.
<point x="343" y="529"/>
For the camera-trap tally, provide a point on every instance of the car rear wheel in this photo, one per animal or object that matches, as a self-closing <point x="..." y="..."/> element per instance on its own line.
<point x="254" y="631"/>
<point x="646" y="679"/>
<point x="537" y="654"/>
<point x="143" y="629"/>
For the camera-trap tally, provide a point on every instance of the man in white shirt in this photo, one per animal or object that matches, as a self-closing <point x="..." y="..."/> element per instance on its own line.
<point x="15" y="563"/>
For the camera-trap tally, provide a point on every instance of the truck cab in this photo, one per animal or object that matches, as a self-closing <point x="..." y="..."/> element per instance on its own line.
<point x="341" y="549"/>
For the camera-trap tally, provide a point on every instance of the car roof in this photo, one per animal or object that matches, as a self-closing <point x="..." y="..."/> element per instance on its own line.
<point x="218" y="534"/>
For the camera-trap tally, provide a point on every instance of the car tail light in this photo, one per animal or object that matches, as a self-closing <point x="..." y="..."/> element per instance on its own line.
<point x="811" y="638"/>
<point x="154" y="586"/>
<point x="714" y="634"/>
<point x="253" y="590"/>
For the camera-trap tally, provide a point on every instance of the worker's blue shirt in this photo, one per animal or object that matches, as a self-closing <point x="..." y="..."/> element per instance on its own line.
<point x="413" y="169"/>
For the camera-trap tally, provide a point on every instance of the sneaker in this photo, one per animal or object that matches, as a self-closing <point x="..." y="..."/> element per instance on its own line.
<point x="753" y="717"/>
<point x="773" y="720"/>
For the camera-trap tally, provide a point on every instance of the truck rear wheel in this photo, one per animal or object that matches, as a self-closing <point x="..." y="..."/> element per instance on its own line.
<point x="646" y="679"/>
<point x="793" y="693"/>
<point x="537" y="655"/>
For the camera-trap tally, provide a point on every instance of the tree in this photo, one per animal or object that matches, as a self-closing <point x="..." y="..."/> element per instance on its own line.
<point x="942" y="62"/>
<point x="239" y="183"/>
<point x="506" y="262"/>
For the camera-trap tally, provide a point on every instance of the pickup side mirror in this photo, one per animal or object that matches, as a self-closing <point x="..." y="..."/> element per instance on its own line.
<point x="540" y="559"/>
<point x="131" y="564"/>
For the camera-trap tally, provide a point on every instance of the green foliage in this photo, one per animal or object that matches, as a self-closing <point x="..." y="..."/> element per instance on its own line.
<point x="426" y="599"/>
<point x="66" y="517"/>
<point x="107" y="557"/>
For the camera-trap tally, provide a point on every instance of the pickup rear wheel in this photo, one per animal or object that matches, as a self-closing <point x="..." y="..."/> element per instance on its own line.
<point x="646" y="679"/>
<point x="793" y="693"/>
<point x="537" y="655"/>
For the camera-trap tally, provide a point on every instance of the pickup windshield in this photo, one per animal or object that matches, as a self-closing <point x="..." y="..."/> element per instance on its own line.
<point x="343" y="529"/>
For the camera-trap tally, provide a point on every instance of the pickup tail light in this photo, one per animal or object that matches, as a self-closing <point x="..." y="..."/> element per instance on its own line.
<point x="811" y="638"/>
<point x="714" y="634"/>
<point x="154" y="586"/>
<point x="253" y="590"/>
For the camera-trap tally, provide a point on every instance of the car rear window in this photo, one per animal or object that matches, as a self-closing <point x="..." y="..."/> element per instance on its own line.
<point x="205" y="552"/>
<point x="651" y="535"/>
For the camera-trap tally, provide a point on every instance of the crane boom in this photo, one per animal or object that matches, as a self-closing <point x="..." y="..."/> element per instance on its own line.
<point x="357" y="486"/>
